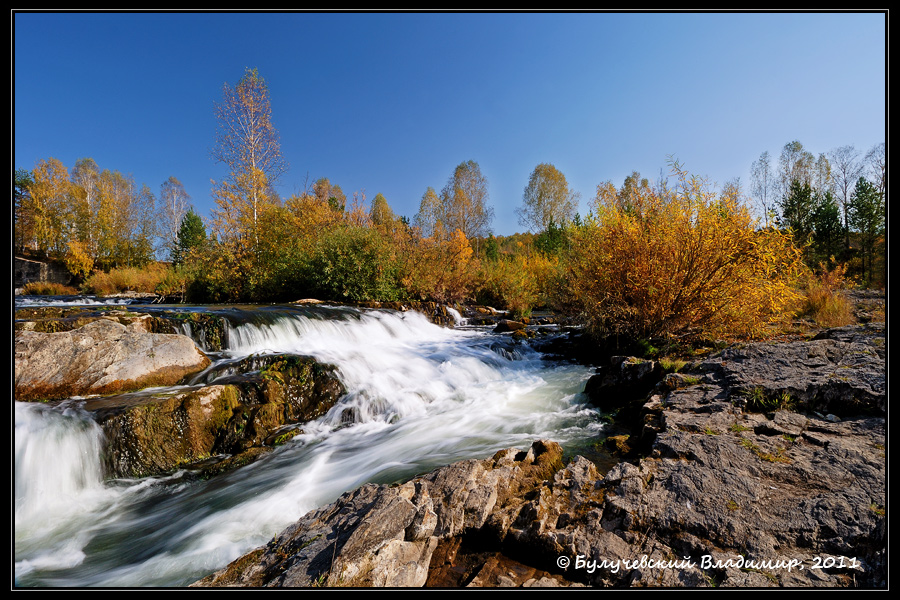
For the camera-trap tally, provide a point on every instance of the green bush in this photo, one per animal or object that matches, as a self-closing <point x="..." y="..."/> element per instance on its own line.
<point x="356" y="264"/>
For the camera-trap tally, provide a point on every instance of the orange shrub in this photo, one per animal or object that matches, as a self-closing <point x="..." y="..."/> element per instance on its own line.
<point x="825" y="301"/>
<point x="679" y="261"/>
<point x="440" y="268"/>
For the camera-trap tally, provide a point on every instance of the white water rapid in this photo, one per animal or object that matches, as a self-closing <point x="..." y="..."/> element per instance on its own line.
<point x="419" y="396"/>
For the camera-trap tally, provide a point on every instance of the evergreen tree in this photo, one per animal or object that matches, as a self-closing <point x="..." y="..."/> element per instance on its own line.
<point x="797" y="211"/>
<point x="828" y="231"/>
<point x="191" y="236"/>
<point x="867" y="219"/>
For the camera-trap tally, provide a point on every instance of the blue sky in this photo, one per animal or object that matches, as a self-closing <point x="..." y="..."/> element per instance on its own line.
<point x="390" y="103"/>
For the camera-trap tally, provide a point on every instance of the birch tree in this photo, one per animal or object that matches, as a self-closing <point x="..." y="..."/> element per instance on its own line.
<point x="174" y="204"/>
<point x="846" y="170"/>
<point x="762" y="185"/>
<point x="547" y="199"/>
<point x="248" y="144"/>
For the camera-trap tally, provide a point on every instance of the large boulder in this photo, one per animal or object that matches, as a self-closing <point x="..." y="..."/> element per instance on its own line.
<point x="101" y="357"/>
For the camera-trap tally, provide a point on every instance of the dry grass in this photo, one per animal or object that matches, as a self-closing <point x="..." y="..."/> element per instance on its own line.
<point x="127" y="279"/>
<point x="47" y="288"/>
<point x="825" y="301"/>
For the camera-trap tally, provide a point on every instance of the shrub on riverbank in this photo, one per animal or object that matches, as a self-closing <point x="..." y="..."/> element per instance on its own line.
<point x="679" y="262"/>
<point x="825" y="301"/>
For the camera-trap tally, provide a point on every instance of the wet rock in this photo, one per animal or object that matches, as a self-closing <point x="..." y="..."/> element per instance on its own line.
<point x="386" y="535"/>
<point x="506" y="325"/>
<point x="153" y="433"/>
<point x="624" y="379"/>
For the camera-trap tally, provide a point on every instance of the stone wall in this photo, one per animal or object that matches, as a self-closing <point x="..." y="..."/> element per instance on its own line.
<point x="26" y="270"/>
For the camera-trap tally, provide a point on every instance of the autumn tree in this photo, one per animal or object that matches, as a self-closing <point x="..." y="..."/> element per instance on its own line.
<point x="330" y="193"/>
<point x="441" y="267"/>
<point x="85" y="202"/>
<point x="174" y="204"/>
<point x="48" y="207"/>
<point x="462" y="205"/>
<point x="381" y="214"/>
<point x="547" y="199"/>
<point x="247" y="144"/>
<point x="464" y="202"/>
<point x="628" y="197"/>
<point x="430" y="213"/>
<point x="125" y="222"/>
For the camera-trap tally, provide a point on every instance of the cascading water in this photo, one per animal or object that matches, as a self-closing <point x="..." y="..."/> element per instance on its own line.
<point x="419" y="396"/>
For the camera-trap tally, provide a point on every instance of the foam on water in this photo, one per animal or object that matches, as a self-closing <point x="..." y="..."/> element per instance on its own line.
<point x="419" y="396"/>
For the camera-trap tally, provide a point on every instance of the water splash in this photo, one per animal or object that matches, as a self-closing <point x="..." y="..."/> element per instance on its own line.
<point x="419" y="396"/>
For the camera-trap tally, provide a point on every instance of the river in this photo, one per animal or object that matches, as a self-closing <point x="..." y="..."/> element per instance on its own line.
<point x="419" y="396"/>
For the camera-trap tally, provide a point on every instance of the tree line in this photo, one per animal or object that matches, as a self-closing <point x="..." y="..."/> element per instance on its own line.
<point x="647" y="259"/>
<point x="834" y="204"/>
<point x="92" y="218"/>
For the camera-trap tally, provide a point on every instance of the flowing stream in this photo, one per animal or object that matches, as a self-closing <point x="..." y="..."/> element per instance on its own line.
<point x="419" y="396"/>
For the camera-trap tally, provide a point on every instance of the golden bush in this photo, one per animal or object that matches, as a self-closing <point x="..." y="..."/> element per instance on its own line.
<point x="520" y="282"/>
<point x="680" y="261"/>
<point x="441" y="268"/>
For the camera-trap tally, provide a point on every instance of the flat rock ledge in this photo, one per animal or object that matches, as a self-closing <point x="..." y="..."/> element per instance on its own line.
<point x="101" y="357"/>
<point x="744" y="483"/>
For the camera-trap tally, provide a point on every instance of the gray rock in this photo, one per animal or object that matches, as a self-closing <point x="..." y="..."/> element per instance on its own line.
<point x="101" y="357"/>
<point x="728" y="497"/>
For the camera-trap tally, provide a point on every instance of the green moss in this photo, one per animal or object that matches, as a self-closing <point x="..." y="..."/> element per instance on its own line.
<point x="738" y="428"/>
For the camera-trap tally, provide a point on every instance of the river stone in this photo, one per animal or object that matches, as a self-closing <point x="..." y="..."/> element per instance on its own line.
<point x="386" y="535"/>
<point x="101" y="357"/>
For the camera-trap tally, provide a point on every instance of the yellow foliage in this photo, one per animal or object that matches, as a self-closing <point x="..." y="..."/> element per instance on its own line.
<point x="680" y="261"/>
<point x="520" y="282"/>
<point x="441" y="268"/>
<point x="127" y="279"/>
<point x="78" y="260"/>
<point x="309" y="217"/>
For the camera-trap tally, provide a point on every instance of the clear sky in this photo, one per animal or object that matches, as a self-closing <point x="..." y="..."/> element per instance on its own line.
<point x="390" y="103"/>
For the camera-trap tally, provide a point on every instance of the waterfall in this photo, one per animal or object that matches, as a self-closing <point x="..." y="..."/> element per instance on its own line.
<point x="458" y="319"/>
<point x="418" y="396"/>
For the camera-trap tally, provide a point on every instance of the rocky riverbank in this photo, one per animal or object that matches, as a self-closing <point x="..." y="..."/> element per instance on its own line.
<point x="760" y="466"/>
